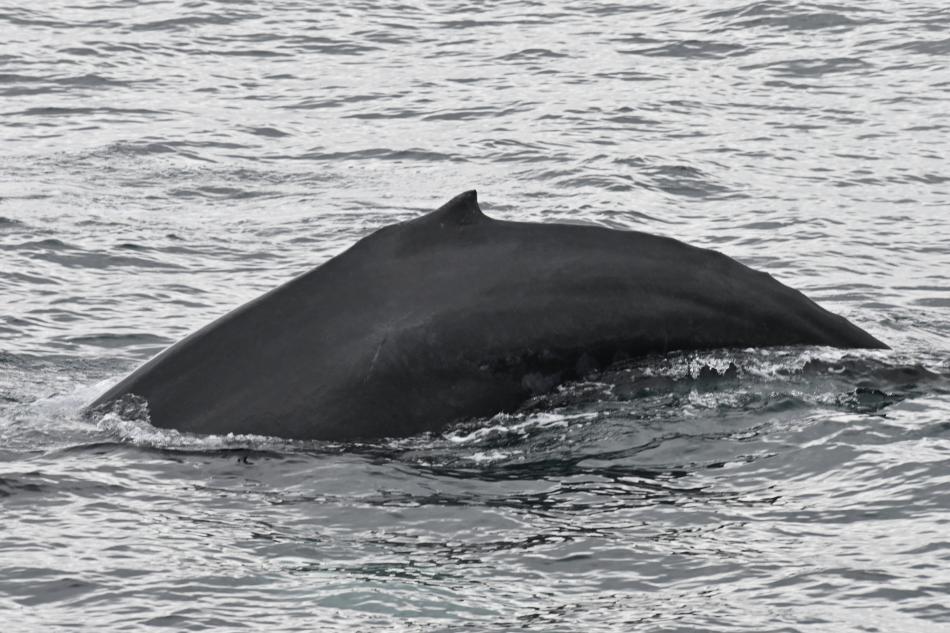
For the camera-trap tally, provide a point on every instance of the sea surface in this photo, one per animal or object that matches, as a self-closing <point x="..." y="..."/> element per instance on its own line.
<point x="163" y="162"/>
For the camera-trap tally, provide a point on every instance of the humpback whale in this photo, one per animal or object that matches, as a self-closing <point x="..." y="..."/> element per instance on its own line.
<point x="455" y="315"/>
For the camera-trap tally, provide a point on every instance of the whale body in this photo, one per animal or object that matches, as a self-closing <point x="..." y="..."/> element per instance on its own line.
<point x="455" y="315"/>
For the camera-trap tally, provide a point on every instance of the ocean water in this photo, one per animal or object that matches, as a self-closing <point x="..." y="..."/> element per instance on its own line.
<point x="163" y="162"/>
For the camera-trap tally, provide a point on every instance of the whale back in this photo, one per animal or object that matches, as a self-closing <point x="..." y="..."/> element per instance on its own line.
<point x="455" y="315"/>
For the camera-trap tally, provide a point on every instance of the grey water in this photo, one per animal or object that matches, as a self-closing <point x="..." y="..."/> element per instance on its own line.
<point x="162" y="162"/>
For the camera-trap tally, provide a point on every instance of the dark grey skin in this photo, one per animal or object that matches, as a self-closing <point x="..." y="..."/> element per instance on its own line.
<point x="455" y="315"/>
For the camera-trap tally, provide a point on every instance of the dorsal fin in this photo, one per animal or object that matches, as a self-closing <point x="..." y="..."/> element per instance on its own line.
<point x="459" y="211"/>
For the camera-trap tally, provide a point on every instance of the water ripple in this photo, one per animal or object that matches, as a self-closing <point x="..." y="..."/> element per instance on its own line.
<point x="163" y="162"/>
